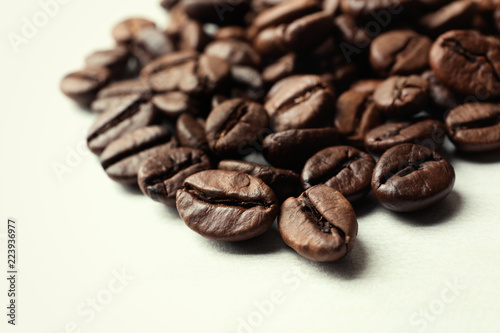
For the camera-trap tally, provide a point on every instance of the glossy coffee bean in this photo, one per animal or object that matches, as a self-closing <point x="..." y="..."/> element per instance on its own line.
<point x="122" y="158"/>
<point x="401" y="96"/>
<point x="366" y="85"/>
<point x="474" y="127"/>
<point x="115" y="60"/>
<point x="352" y="32"/>
<point x="234" y="126"/>
<point x="467" y="62"/>
<point x="149" y="44"/>
<point x="283" y="67"/>
<point x="410" y="177"/>
<point x="429" y="133"/>
<point x="82" y="86"/>
<point x="226" y="205"/>
<point x="291" y="149"/>
<point x="162" y="174"/>
<point x="235" y="52"/>
<point x="191" y="132"/>
<point x="284" y="183"/>
<point x="131" y="113"/>
<point x="173" y="104"/>
<point x="320" y="224"/>
<point x="344" y="168"/>
<point x="125" y="31"/>
<point x="301" y="103"/>
<point x="246" y="83"/>
<point x="116" y="91"/>
<point x="400" y="52"/>
<point x="455" y="15"/>
<point x="440" y="95"/>
<point x="186" y="71"/>
<point x="364" y="8"/>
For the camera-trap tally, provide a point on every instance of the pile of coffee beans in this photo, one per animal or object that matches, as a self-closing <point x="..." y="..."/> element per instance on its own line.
<point x="341" y="97"/>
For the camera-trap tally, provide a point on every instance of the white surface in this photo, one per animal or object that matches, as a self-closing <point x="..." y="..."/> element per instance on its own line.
<point x="76" y="232"/>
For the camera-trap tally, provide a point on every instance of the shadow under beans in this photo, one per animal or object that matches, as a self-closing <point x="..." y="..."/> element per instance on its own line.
<point x="365" y="206"/>
<point x="268" y="242"/>
<point x="479" y="158"/>
<point x="442" y="212"/>
<point x="131" y="189"/>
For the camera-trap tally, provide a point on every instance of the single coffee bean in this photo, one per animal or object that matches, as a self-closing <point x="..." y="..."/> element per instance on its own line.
<point x="125" y="31"/>
<point x="281" y="68"/>
<point x="173" y="104"/>
<point x="131" y="113"/>
<point x="355" y="115"/>
<point x="410" y="177"/>
<point x="429" y="132"/>
<point x="115" y="60"/>
<point x="235" y="52"/>
<point x="149" y="44"/>
<point x="320" y="224"/>
<point x="162" y="174"/>
<point x="115" y="92"/>
<point x="400" y="52"/>
<point x="191" y="132"/>
<point x="284" y="183"/>
<point x="365" y="8"/>
<point x="440" y="95"/>
<point x="193" y="37"/>
<point x="291" y="149"/>
<point x="82" y="86"/>
<point x="467" y="62"/>
<point x="226" y="205"/>
<point x="122" y="158"/>
<point x="231" y="32"/>
<point x="401" y="96"/>
<point x="301" y="103"/>
<point x="344" y="168"/>
<point x="186" y="71"/>
<point x="455" y="15"/>
<point x="474" y="127"/>
<point x="236" y="126"/>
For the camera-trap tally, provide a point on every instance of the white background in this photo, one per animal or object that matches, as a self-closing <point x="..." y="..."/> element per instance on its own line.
<point x="434" y="271"/>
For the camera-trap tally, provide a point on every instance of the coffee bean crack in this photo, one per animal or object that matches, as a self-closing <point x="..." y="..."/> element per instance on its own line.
<point x="224" y="201"/>
<point x="319" y="220"/>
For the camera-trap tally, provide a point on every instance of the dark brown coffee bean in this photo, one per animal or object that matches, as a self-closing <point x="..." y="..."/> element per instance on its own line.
<point x="440" y="95"/>
<point x="467" y="62"/>
<point x="226" y="205"/>
<point x="149" y="44"/>
<point x="366" y="86"/>
<point x="320" y="224"/>
<point x="291" y="149"/>
<point x="279" y="84"/>
<point x="175" y="103"/>
<point x="193" y="37"/>
<point x="131" y="113"/>
<point x="430" y="133"/>
<point x="400" y="96"/>
<point x="125" y="31"/>
<point x="364" y="8"/>
<point x="280" y="69"/>
<point x="186" y="71"/>
<point x="410" y="177"/>
<point x="122" y="158"/>
<point x="114" y="92"/>
<point x="353" y="33"/>
<point x="191" y="132"/>
<point x="487" y="5"/>
<point x="82" y="86"/>
<point x="301" y="103"/>
<point x="115" y="60"/>
<point x="344" y="168"/>
<point x="235" y="52"/>
<point x="284" y="183"/>
<point x="474" y="127"/>
<point x="231" y="32"/>
<point x="246" y="83"/>
<point x="162" y="174"/>
<point x="355" y="115"/>
<point x="456" y="15"/>
<point x="221" y="12"/>
<point x="400" y="52"/>
<point x="235" y="126"/>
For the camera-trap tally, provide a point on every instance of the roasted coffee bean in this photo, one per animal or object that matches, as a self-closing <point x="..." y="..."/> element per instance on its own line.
<point x="191" y="132"/>
<point x="331" y="7"/>
<point x="82" y="86"/>
<point x="149" y="44"/>
<point x="301" y="103"/>
<point x="401" y="96"/>
<point x="284" y="183"/>
<point x="176" y="25"/>
<point x="162" y="174"/>
<point x="125" y="31"/>
<point x="193" y="37"/>
<point x="122" y="158"/>
<point x="344" y="168"/>
<point x="115" y="60"/>
<point x="279" y="84"/>
<point x="291" y="149"/>
<point x="410" y="177"/>
<point x="221" y="12"/>
<point x="320" y="224"/>
<point x="235" y="52"/>
<point x="116" y="91"/>
<point x="440" y="95"/>
<point x="226" y="205"/>
<point x="236" y="126"/>
<point x="365" y="8"/>
<point x="281" y="68"/>
<point x="246" y="83"/>
<point x="429" y="132"/>
<point x="487" y="5"/>
<point x="131" y="113"/>
<point x="474" y="127"/>
<point x="400" y="52"/>
<point x="175" y="103"/>
<point x="366" y="86"/>
<point x="186" y="71"/>
<point x="467" y="62"/>
<point x="355" y="115"/>
<point x="231" y="32"/>
<point x="352" y="33"/>
<point x="455" y="15"/>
